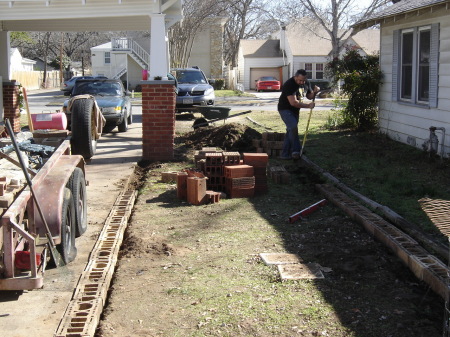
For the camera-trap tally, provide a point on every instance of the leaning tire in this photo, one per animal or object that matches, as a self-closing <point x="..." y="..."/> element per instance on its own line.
<point x="123" y="127"/>
<point x="77" y="186"/>
<point x="83" y="140"/>
<point x="67" y="247"/>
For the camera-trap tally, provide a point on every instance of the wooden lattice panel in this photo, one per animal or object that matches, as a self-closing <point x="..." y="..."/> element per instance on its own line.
<point x="439" y="213"/>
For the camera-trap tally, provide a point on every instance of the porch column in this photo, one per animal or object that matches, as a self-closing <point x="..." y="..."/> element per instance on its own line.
<point x="158" y="120"/>
<point x="159" y="65"/>
<point x="5" y="63"/>
<point x="5" y="66"/>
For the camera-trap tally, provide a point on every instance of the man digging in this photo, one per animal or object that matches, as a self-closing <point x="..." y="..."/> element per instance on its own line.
<point x="289" y="105"/>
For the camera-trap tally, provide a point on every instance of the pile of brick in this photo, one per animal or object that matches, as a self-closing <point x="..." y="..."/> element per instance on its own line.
<point x="218" y="171"/>
<point x="9" y="188"/>
<point x="271" y="143"/>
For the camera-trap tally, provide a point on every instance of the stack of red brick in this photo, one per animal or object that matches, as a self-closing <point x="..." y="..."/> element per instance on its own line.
<point x="191" y="186"/>
<point x="223" y="172"/>
<point x="271" y="143"/>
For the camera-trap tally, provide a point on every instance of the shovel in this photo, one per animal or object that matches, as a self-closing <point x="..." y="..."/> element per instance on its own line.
<point x="307" y="126"/>
<point x="53" y="251"/>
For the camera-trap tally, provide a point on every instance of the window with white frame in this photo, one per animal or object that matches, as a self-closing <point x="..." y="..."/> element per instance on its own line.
<point x="308" y="69"/>
<point x="107" y="57"/>
<point x="314" y="71"/>
<point x="319" y="71"/>
<point x="415" y="65"/>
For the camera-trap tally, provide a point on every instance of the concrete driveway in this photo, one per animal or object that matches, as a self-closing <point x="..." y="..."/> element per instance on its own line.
<point x="38" y="312"/>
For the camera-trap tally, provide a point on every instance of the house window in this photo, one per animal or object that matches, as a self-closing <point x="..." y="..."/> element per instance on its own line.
<point x="319" y="71"/>
<point x="309" y="68"/>
<point x="424" y="65"/>
<point x="107" y="57"/>
<point x="415" y="65"/>
<point x="407" y="64"/>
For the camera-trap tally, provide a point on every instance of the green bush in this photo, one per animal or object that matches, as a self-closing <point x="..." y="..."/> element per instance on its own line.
<point x="362" y="77"/>
<point x="219" y="84"/>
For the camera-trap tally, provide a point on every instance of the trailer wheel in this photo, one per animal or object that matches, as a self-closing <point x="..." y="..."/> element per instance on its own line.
<point x="123" y="127"/>
<point x="83" y="128"/>
<point x="67" y="247"/>
<point x="77" y="185"/>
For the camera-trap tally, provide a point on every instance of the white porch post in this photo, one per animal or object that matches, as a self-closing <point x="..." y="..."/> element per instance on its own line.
<point x="5" y="64"/>
<point x="159" y="65"/>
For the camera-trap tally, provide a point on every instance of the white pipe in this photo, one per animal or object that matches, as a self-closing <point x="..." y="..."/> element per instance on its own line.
<point x="443" y="139"/>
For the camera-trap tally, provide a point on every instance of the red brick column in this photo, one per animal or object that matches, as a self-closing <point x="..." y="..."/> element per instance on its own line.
<point x="11" y="104"/>
<point x="158" y="120"/>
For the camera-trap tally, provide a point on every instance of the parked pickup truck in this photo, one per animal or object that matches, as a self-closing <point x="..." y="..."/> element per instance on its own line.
<point x="42" y="214"/>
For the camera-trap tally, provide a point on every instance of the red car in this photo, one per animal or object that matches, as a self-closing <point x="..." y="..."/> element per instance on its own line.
<point x="267" y="83"/>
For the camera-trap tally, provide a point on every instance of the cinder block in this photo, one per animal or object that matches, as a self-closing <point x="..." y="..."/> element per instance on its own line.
<point x="239" y="171"/>
<point x="168" y="177"/>
<point x="213" y="197"/>
<point x="242" y="192"/>
<point x="182" y="185"/>
<point x="256" y="159"/>
<point x="196" y="190"/>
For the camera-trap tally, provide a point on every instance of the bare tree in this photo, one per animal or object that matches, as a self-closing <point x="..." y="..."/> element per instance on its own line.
<point x="335" y="16"/>
<point x="247" y="19"/>
<point x="182" y="34"/>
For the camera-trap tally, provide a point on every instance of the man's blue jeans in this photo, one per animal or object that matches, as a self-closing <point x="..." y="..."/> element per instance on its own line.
<point x="291" y="139"/>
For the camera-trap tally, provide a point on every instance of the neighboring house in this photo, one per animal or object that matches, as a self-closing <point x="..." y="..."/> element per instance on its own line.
<point x="19" y="63"/>
<point x="126" y="58"/>
<point x="302" y="45"/>
<point x="415" y="61"/>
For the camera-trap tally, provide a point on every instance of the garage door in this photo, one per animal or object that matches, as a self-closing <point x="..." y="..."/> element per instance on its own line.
<point x="256" y="73"/>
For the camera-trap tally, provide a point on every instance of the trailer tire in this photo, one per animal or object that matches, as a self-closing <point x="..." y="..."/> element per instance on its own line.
<point x="83" y="128"/>
<point x="67" y="247"/>
<point x="77" y="185"/>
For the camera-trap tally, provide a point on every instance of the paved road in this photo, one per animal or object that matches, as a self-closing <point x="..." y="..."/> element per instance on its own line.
<point x="38" y="312"/>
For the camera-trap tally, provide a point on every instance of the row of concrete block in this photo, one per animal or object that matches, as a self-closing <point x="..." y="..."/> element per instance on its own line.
<point x="425" y="266"/>
<point x="84" y="310"/>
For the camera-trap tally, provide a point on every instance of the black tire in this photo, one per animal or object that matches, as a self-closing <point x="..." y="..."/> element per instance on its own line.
<point x="67" y="247"/>
<point x="199" y="123"/>
<point x="83" y="128"/>
<point x="130" y="117"/>
<point x="123" y="127"/>
<point x="77" y="186"/>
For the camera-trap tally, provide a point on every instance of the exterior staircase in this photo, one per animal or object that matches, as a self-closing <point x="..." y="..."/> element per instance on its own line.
<point x="133" y="49"/>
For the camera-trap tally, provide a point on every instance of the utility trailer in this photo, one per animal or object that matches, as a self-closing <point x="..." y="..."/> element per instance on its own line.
<point x="59" y="187"/>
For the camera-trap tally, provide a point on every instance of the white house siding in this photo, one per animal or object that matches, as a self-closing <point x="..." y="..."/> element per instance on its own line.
<point x="259" y="63"/>
<point x="409" y="123"/>
<point x="200" y="54"/>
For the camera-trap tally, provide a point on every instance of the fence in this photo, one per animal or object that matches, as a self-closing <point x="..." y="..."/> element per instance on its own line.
<point x="35" y="79"/>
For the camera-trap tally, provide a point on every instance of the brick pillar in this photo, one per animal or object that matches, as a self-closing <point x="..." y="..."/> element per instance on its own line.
<point x="158" y="120"/>
<point x="11" y="103"/>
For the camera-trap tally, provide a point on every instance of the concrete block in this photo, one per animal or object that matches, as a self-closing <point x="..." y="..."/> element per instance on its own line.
<point x="182" y="185"/>
<point x="196" y="190"/>
<point x="168" y="177"/>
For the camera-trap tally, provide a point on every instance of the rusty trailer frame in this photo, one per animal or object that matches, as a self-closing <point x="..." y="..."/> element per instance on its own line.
<point x="21" y="226"/>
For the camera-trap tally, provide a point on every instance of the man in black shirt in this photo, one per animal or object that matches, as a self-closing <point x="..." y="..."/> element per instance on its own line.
<point x="289" y="105"/>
